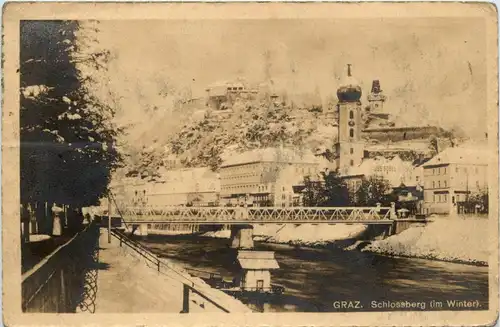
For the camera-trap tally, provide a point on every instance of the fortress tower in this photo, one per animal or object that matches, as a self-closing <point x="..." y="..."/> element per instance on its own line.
<point x="350" y="146"/>
<point x="376" y="98"/>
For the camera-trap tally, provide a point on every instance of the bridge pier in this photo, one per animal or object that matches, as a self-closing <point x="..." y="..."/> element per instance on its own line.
<point x="400" y="225"/>
<point x="140" y="229"/>
<point x="242" y="236"/>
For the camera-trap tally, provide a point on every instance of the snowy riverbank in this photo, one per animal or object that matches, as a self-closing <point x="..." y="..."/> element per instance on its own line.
<point x="453" y="239"/>
<point x="318" y="235"/>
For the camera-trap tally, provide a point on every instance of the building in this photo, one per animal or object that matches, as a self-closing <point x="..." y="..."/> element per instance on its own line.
<point x="350" y="146"/>
<point x="452" y="176"/>
<point x="222" y="95"/>
<point x="262" y="177"/>
<point x="256" y="269"/>
<point x="410" y="198"/>
<point x="395" y="170"/>
<point x="171" y="161"/>
<point x="178" y="187"/>
<point x="376" y="99"/>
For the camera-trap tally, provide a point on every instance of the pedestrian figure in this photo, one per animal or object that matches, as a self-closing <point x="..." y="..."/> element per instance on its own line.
<point x="57" y="226"/>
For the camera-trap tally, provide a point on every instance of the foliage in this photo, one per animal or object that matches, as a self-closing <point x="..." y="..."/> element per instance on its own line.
<point x="314" y="193"/>
<point x="336" y="191"/>
<point x="256" y="124"/>
<point x="372" y="190"/>
<point x="68" y="142"/>
<point x="478" y="201"/>
<point x="331" y="191"/>
<point x="433" y="145"/>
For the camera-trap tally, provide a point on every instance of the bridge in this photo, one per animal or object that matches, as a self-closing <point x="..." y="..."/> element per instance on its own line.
<point x="257" y="215"/>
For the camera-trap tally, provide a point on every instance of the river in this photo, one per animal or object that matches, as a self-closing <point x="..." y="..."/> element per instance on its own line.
<point x="321" y="280"/>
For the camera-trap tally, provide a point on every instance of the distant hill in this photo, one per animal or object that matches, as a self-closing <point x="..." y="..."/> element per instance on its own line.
<point x="205" y="136"/>
<point x="198" y="136"/>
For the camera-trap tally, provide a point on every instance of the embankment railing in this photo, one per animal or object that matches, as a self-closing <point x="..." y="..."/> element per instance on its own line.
<point x="66" y="279"/>
<point x="189" y="285"/>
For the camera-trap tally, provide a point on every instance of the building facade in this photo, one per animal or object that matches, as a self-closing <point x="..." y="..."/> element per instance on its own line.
<point x="222" y="95"/>
<point x="350" y="146"/>
<point x="264" y="177"/>
<point x="178" y="187"/>
<point x="376" y="98"/>
<point x="451" y="177"/>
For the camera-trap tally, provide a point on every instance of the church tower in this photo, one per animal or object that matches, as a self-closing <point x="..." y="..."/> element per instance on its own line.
<point x="350" y="146"/>
<point x="376" y="98"/>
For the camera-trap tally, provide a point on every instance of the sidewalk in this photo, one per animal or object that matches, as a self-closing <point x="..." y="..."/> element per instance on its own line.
<point x="125" y="284"/>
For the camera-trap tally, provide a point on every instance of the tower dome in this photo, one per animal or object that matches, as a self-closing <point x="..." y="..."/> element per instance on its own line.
<point x="349" y="91"/>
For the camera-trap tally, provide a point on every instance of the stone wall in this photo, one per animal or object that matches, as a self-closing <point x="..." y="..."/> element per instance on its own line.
<point x="396" y="134"/>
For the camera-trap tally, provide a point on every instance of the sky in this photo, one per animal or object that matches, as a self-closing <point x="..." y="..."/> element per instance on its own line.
<point x="432" y="70"/>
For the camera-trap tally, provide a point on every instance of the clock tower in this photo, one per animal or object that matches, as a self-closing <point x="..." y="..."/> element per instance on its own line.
<point x="350" y="146"/>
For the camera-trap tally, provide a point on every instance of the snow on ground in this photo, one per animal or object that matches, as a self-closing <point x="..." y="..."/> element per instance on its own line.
<point x="169" y="232"/>
<point x="219" y="234"/>
<point x="445" y="238"/>
<point x="305" y="234"/>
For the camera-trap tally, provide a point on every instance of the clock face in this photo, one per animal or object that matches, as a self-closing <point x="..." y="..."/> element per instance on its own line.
<point x="351" y="123"/>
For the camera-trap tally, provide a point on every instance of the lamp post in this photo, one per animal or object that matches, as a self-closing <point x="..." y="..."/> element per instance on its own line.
<point x="109" y="218"/>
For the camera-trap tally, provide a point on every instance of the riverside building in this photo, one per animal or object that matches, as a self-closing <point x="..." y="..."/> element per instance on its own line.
<point x="253" y="177"/>
<point x="452" y="176"/>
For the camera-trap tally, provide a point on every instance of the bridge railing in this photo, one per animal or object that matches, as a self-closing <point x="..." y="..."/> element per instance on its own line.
<point x="256" y="214"/>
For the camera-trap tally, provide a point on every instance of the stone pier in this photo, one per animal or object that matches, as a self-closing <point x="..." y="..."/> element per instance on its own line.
<point x="140" y="229"/>
<point x="242" y="236"/>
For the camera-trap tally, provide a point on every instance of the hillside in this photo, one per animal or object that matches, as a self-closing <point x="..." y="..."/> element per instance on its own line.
<point x="205" y="136"/>
<point x="198" y="136"/>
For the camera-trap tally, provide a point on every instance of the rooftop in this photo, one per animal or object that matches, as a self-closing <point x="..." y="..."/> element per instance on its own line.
<point x="477" y="155"/>
<point x="277" y="155"/>
<point x="255" y="260"/>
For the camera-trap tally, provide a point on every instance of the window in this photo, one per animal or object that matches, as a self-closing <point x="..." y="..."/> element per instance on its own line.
<point x="445" y="198"/>
<point x="351" y="115"/>
<point x="352" y="162"/>
<point x="439" y="183"/>
<point x="453" y="199"/>
<point x="433" y="184"/>
<point x="351" y="151"/>
<point x="445" y="184"/>
<point x="445" y="170"/>
<point x="434" y="198"/>
<point x="351" y="132"/>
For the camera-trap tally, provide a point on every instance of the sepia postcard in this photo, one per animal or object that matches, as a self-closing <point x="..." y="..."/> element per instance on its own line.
<point x="250" y="164"/>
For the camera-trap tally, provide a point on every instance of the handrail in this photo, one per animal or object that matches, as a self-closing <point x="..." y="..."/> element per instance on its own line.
<point x="117" y="208"/>
<point x="152" y="258"/>
<point x="60" y="248"/>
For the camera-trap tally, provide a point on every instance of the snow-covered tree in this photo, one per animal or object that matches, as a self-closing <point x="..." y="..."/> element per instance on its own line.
<point x="68" y="140"/>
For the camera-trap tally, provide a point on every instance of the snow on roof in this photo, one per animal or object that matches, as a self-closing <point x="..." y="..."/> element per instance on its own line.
<point x="278" y="155"/>
<point x="257" y="260"/>
<point x="187" y="180"/>
<point x="391" y="169"/>
<point x="477" y="155"/>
